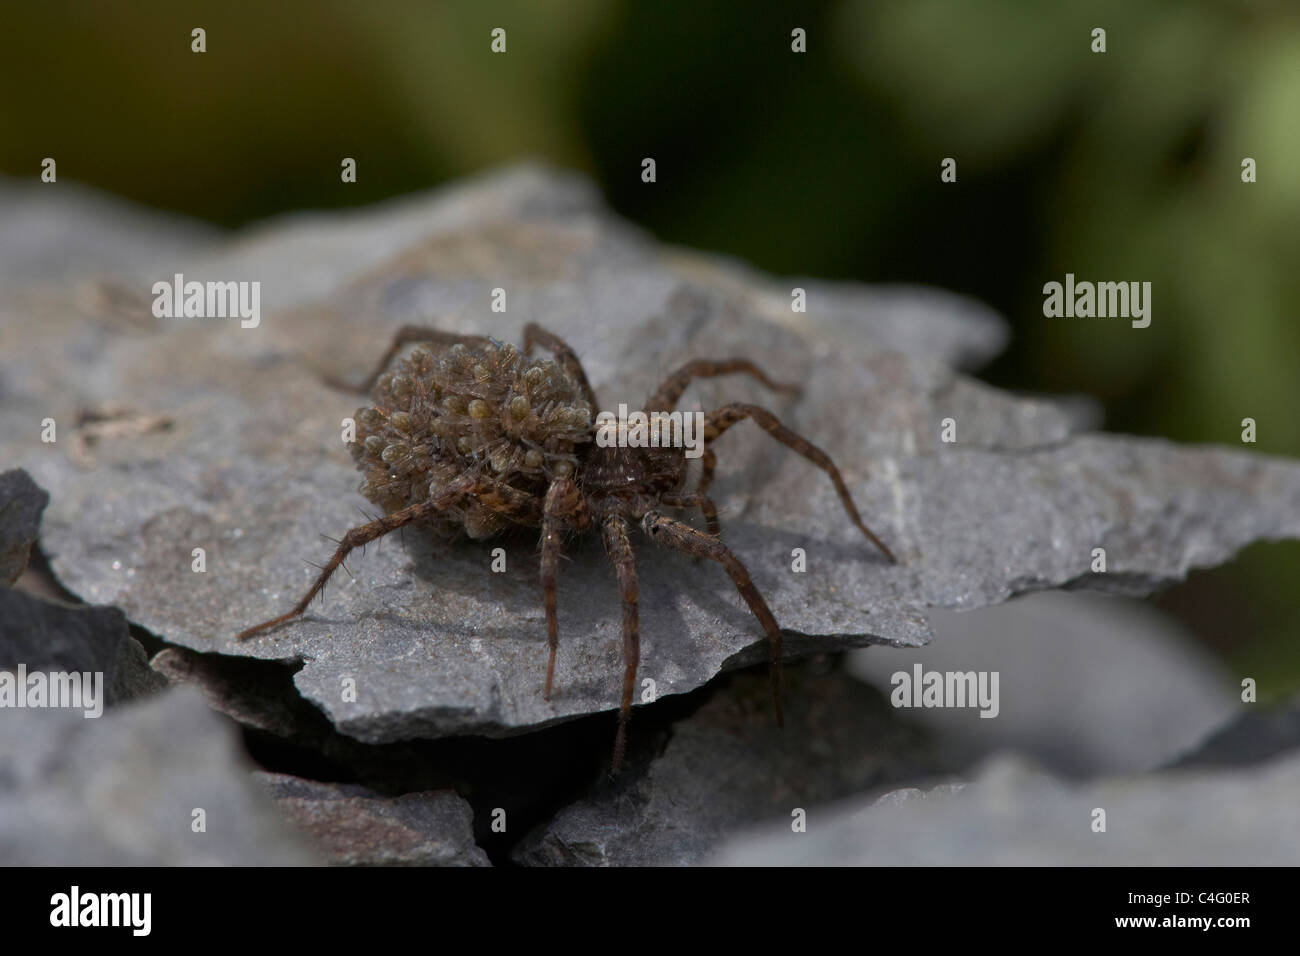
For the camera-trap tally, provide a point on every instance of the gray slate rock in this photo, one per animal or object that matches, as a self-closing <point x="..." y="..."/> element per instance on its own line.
<point x="21" y="504"/>
<point x="353" y="826"/>
<point x="121" y="790"/>
<point x="48" y="636"/>
<point x="65" y="231"/>
<point x="1089" y="683"/>
<point x="260" y="695"/>
<point x="251" y="692"/>
<point x="1011" y="814"/>
<point x="1256" y="734"/>
<point x="727" y="767"/>
<point x="913" y="320"/>
<point x="253" y="470"/>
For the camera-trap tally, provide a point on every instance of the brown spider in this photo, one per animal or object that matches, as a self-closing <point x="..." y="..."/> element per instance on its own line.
<point x="466" y="435"/>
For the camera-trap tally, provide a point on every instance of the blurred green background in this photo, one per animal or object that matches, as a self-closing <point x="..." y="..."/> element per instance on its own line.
<point x="1124" y="166"/>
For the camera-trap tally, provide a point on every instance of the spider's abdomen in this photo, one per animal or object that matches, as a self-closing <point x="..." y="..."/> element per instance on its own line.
<point x="440" y="413"/>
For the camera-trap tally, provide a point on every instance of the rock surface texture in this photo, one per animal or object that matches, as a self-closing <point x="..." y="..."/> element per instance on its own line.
<point x="21" y="504"/>
<point x="1011" y="814"/>
<point x="229" y="440"/>
<point x="131" y="789"/>
<point x="354" y="826"/>
<point x="199" y="465"/>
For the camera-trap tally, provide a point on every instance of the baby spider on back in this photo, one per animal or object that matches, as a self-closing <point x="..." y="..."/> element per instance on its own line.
<point x="467" y="435"/>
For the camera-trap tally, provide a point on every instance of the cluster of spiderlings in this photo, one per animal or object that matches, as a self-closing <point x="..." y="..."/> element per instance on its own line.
<point x="440" y="414"/>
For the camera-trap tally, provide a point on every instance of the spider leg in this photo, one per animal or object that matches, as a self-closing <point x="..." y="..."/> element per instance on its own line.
<point x="619" y="548"/>
<point x="666" y="396"/>
<point x="563" y="501"/>
<point x="406" y="335"/>
<point x="534" y="334"/>
<point x="696" y="499"/>
<point x="671" y="533"/>
<point x="710" y="462"/>
<point x="363" y="534"/>
<point x="719" y="420"/>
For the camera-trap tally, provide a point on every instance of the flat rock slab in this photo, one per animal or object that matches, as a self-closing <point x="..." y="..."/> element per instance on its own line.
<point x="1011" y="814"/>
<point x="1120" y="687"/>
<point x="71" y="232"/>
<point x="353" y="826"/>
<point x="123" y="790"/>
<point x="251" y="692"/>
<point x="1257" y="734"/>
<point x="227" y="439"/>
<point x="44" y="635"/>
<point x="260" y="696"/>
<point x="727" y="767"/>
<point x="21" y="504"/>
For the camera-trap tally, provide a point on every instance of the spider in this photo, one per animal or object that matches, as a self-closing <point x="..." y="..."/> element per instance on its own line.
<point x="466" y="435"/>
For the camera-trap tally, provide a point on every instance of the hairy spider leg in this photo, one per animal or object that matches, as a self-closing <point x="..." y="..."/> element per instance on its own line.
<point x="719" y="420"/>
<point x="671" y="533"/>
<point x="709" y="461"/>
<point x="667" y="395"/>
<point x="564" y="507"/>
<point x="618" y="547"/>
<point x="405" y="336"/>
<point x="696" y="499"/>
<point x="563" y="500"/>
<point x="501" y="498"/>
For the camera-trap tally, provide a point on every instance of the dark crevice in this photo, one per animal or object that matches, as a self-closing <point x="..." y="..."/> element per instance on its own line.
<point x="531" y="776"/>
<point x="40" y="573"/>
<point x="146" y="638"/>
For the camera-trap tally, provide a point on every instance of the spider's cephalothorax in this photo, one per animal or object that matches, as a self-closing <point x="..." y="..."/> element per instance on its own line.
<point x="468" y="435"/>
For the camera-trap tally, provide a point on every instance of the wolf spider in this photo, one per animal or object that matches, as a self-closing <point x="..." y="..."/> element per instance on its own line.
<point x="466" y="435"/>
